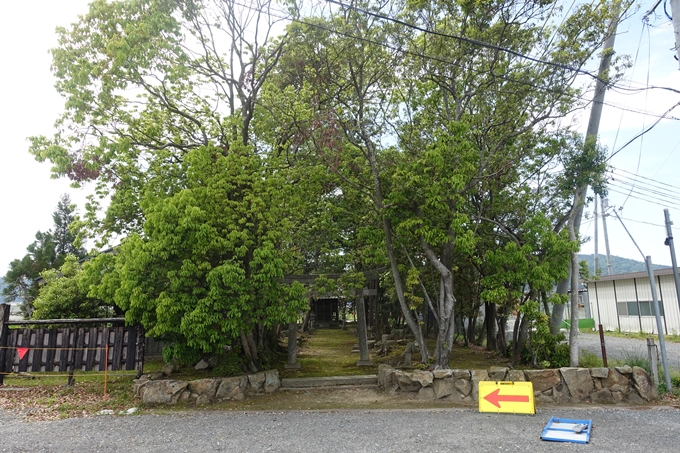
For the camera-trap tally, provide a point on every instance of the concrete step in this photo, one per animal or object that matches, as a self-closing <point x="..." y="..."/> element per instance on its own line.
<point x="330" y="381"/>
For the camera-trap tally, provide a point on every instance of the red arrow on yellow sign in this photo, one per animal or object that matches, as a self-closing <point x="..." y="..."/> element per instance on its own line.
<point x="508" y="397"/>
<point x="495" y="399"/>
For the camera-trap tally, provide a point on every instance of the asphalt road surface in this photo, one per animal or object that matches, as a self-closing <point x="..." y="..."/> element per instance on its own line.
<point x="451" y="430"/>
<point x="622" y="348"/>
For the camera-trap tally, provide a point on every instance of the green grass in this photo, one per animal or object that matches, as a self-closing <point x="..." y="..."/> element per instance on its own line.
<point x="327" y="353"/>
<point x="673" y="338"/>
<point x="589" y="359"/>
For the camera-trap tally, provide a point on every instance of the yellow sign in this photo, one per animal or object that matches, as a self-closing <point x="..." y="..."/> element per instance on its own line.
<point x="507" y="397"/>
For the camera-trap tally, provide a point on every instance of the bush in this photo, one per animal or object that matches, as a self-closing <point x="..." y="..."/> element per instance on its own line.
<point x="589" y="359"/>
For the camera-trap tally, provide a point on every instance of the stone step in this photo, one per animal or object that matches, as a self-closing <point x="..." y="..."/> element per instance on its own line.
<point x="330" y="381"/>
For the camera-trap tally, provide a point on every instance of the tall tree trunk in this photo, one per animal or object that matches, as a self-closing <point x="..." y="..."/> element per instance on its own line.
<point x="490" y="321"/>
<point x="394" y="265"/>
<point x="573" y="329"/>
<point x="248" y="353"/>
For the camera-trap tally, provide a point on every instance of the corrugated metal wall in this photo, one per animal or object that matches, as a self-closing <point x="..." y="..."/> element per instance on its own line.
<point x="608" y="293"/>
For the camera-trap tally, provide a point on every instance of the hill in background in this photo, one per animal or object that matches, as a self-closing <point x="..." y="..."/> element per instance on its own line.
<point x="619" y="265"/>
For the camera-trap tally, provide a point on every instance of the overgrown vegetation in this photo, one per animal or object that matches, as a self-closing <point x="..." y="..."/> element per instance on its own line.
<point x="344" y="144"/>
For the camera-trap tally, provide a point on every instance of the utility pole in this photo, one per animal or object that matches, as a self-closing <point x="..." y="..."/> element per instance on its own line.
<point x="591" y="135"/>
<point x="675" y="11"/>
<point x="669" y="243"/>
<point x="596" y="261"/>
<point x="655" y="301"/>
<point x="605" y="205"/>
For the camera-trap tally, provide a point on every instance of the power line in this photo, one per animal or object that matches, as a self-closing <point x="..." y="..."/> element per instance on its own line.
<point x="644" y="184"/>
<point x="646" y="191"/>
<point x="643" y="132"/>
<point x="406" y="52"/>
<point x="654" y="201"/>
<point x="648" y="179"/>
<point x="653" y="184"/>
<point x="468" y="40"/>
<point x="285" y="16"/>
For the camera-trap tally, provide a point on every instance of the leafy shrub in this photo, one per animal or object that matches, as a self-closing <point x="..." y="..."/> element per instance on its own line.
<point x="589" y="359"/>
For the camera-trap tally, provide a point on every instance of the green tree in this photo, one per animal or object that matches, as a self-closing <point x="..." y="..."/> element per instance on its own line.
<point x="206" y="271"/>
<point x="65" y="294"/>
<point x="48" y="251"/>
<point x="434" y="148"/>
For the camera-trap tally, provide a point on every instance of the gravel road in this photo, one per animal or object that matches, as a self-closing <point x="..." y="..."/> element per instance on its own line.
<point x="614" y="429"/>
<point x="622" y="348"/>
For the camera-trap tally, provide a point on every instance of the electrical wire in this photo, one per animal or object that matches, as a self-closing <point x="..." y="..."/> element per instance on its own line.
<point x="285" y="16"/>
<point x="643" y="132"/>
<point x="657" y="202"/>
<point x="618" y="129"/>
<point x="621" y="173"/>
<point x="644" y="185"/>
<point x="469" y="41"/>
<point x="667" y="157"/>
<point x="627" y="185"/>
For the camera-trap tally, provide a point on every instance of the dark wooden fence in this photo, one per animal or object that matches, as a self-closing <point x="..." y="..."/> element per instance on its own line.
<point x="80" y="345"/>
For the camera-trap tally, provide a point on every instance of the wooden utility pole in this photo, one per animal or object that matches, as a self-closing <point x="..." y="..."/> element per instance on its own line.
<point x="591" y="135"/>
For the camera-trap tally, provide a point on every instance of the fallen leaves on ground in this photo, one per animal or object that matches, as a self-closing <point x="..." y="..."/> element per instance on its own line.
<point x="53" y="402"/>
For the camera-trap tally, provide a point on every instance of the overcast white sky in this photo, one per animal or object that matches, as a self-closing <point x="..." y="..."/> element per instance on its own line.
<point x="29" y="106"/>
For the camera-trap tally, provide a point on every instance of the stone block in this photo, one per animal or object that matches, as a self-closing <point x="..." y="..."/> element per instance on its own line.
<point x="424" y="377"/>
<point x="461" y="374"/>
<point x="543" y="397"/>
<point x="475" y="377"/>
<point x="163" y="392"/>
<point x="256" y="382"/>
<point x="579" y="382"/>
<point x="426" y="394"/>
<point x="184" y="396"/>
<point x="386" y="376"/>
<point x="616" y="382"/>
<point x="170" y="368"/>
<point x="441" y="374"/>
<point x="560" y="393"/>
<point x="406" y="382"/>
<point x="626" y="369"/>
<point x="634" y="399"/>
<point x="232" y="388"/>
<point x="644" y="385"/>
<point x="205" y="389"/>
<point x="444" y="387"/>
<point x="543" y="379"/>
<point x="497" y="373"/>
<point x="617" y="396"/>
<point x="271" y="381"/>
<point x="600" y="372"/>
<point x="202" y="365"/>
<point x="454" y="398"/>
<point x="464" y="386"/>
<point x="603" y="396"/>
<point x="515" y="376"/>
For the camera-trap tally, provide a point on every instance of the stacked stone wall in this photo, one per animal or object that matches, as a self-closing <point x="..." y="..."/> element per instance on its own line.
<point x="206" y="391"/>
<point x="565" y="385"/>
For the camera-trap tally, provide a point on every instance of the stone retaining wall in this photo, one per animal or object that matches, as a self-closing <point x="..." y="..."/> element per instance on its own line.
<point x="565" y="385"/>
<point x="205" y="391"/>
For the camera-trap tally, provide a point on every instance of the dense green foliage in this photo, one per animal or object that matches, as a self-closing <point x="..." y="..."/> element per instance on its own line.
<point x="232" y="156"/>
<point x="65" y="294"/>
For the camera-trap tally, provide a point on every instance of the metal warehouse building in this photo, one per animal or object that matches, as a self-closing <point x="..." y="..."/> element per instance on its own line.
<point x="624" y="302"/>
